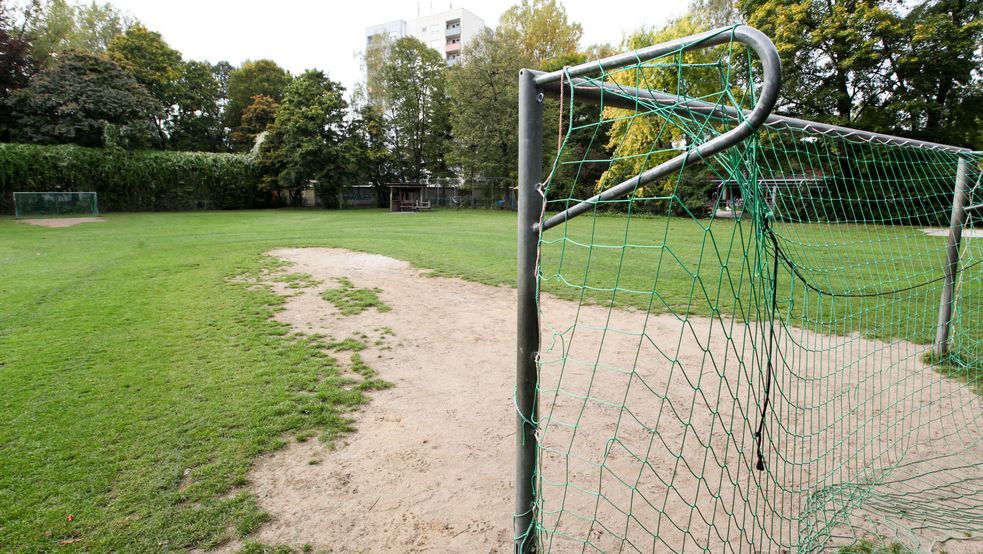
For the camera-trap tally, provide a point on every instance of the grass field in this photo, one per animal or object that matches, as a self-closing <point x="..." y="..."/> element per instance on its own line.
<point x="139" y="381"/>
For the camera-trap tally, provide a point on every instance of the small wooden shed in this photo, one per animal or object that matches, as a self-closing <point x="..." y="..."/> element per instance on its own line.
<point x="407" y="197"/>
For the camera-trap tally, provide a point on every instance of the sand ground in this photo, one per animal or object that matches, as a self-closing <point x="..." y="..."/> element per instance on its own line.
<point x="431" y="465"/>
<point x="59" y="222"/>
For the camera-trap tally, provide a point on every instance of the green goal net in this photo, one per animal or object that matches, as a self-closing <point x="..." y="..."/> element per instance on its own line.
<point x="55" y="204"/>
<point x="739" y="357"/>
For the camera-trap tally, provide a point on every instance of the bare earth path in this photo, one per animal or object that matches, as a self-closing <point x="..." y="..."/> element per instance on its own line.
<point x="430" y="466"/>
<point x="60" y="222"/>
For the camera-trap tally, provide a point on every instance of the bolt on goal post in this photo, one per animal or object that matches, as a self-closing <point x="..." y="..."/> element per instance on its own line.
<point x="574" y="85"/>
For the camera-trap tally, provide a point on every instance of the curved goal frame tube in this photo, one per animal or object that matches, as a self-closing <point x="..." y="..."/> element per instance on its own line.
<point x="772" y="76"/>
<point x="533" y="85"/>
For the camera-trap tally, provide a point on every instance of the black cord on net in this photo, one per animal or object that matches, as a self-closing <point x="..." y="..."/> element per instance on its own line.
<point x="759" y="434"/>
<point x="779" y="253"/>
<point x="795" y="271"/>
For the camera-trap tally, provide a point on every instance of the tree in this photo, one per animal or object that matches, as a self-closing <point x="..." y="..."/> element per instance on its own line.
<point x="55" y="26"/>
<point x="308" y="143"/>
<point x="830" y="50"/>
<point x="938" y="70"/>
<point x="484" y="112"/>
<point x="414" y="90"/>
<point x="369" y="137"/>
<point x="540" y="28"/>
<point x="373" y="59"/>
<point x="484" y="88"/>
<point x="878" y="64"/>
<point x="260" y="77"/>
<point x="78" y="100"/>
<point x="16" y="66"/>
<point x="256" y="118"/>
<point x="156" y="66"/>
<point x="637" y="144"/>
<point x="196" y="122"/>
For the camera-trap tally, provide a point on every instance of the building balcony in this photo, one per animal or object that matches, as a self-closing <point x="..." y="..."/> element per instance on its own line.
<point x="452" y="32"/>
<point x="452" y="48"/>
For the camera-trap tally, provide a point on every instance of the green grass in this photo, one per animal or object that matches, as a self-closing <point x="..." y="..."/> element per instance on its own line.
<point x="140" y="378"/>
<point x="352" y="300"/>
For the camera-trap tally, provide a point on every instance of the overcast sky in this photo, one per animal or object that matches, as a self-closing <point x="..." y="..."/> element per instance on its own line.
<point x="328" y="35"/>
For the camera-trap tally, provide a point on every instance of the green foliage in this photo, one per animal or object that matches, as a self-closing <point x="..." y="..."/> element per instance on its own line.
<point x="351" y="300"/>
<point x="484" y="111"/>
<point x="368" y="135"/>
<point x="374" y="58"/>
<point x="414" y="89"/>
<point x="830" y="51"/>
<point x="16" y="65"/>
<point x="72" y="101"/>
<point x="130" y="180"/>
<point x="540" y="29"/>
<point x="483" y="89"/>
<point x="913" y="70"/>
<point x="56" y="26"/>
<point x="195" y="121"/>
<point x="638" y="144"/>
<point x="255" y="119"/>
<point x="252" y="78"/>
<point x="308" y="143"/>
<point x="155" y="65"/>
<point x="150" y="59"/>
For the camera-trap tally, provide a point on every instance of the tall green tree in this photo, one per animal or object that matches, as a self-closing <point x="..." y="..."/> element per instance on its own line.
<point x="911" y="69"/>
<point x="483" y="91"/>
<point x="55" y="26"/>
<point x="156" y="66"/>
<point x="259" y="77"/>
<point x="484" y="88"/>
<point x="414" y="88"/>
<point x="541" y="29"/>
<point x="376" y="165"/>
<point x="16" y="65"/>
<point x="831" y="52"/>
<point x="196" y="118"/>
<point x="256" y="118"/>
<point x="80" y="99"/>
<point x="937" y="69"/>
<point x="309" y="140"/>
<point x="373" y="59"/>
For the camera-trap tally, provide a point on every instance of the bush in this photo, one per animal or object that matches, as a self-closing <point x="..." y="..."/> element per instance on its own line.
<point x="131" y="180"/>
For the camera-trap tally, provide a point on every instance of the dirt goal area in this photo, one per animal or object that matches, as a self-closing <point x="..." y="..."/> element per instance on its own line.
<point x="430" y="467"/>
<point x="61" y="222"/>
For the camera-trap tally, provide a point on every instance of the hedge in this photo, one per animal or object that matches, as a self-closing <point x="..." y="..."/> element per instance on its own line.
<point x="131" y="180"/>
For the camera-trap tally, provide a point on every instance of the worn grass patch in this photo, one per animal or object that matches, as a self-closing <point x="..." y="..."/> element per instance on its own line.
<point x="351" y="300"/>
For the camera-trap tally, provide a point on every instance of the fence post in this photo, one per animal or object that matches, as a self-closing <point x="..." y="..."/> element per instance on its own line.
<point x="530" y="211"/>
<point x="956" y="222"/>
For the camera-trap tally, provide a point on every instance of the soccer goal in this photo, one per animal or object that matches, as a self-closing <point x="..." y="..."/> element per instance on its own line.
<point x="737" y="331"/>
<point x="55" y="204"/>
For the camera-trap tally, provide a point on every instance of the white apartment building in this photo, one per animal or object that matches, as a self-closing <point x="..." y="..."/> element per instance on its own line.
<point x="446" y="32"/>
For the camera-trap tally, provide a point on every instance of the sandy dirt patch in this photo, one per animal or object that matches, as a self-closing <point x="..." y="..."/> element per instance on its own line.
<point x="60" y="222"/>
<point x="431" y="465"/>
<point x="967" y="233"/>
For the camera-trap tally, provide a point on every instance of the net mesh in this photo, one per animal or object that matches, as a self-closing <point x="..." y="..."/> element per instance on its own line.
<point x="55" y="204"/>
<point x="746" y="361"/>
